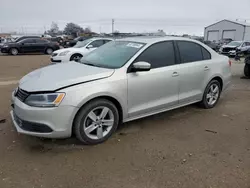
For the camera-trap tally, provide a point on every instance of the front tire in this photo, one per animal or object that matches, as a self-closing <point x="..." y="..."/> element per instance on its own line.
<point x="76" y="57"/>
<point x="96" y="122"/>
<point x="13" y="51"/>
<point x="211" y="95"/>
<point x="247" y="70"/>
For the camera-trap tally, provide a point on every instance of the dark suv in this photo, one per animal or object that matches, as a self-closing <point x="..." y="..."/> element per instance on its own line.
<point x="30" y="45"/>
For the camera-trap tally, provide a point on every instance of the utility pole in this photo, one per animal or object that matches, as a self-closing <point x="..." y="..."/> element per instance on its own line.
<point x="113" y="23"/>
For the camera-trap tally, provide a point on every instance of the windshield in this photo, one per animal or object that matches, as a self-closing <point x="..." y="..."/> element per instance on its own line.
<point x="81" y="44"/>
<point x="234" y="43"/>
<point x="113" y="54"/>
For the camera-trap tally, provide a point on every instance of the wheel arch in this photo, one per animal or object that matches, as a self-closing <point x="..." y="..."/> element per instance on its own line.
<point x="112" y="99"/>
<point x="219" y="79"/>
<point x="74" y="53"/>
<point x="18" y="49"/>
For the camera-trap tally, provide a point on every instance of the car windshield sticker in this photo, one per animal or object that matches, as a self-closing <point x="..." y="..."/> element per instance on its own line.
<point x="134" y="45"/>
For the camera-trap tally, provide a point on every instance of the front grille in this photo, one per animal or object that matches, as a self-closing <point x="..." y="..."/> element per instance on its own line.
<point x="21" y="94"/>
<point x="31" y="126"/>
<point x="54" y="54"/>
<point x="227" y="49"/>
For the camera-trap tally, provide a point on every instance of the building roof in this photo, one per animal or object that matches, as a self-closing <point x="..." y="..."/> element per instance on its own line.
<point x="236" y="22"/>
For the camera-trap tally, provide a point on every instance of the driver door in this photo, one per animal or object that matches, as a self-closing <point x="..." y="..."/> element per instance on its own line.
<point x="157" y="89"/>
<point x="27" y="45"/>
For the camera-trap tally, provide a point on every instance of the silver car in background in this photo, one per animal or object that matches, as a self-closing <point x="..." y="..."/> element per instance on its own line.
<point x="121" y="81"/>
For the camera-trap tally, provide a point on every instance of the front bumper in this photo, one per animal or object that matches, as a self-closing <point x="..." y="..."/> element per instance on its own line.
<point x="4" y="50"/>
<point x="59" y="59"/>
<point x="58" y="120"/>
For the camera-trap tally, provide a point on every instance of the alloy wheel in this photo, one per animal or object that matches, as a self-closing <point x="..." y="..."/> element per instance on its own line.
<point x="98" y="123"/>
<point x="77" y="58"/>
<point x="213" y="94"/>
<point x="49" y="51"/>
<point x="14" y="51"/>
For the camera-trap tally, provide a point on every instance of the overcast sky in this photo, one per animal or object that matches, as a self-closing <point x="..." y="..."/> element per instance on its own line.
<point x="173" y="16"/>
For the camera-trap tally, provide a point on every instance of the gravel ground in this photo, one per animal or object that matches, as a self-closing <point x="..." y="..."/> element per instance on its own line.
<point x="188" y="147"/>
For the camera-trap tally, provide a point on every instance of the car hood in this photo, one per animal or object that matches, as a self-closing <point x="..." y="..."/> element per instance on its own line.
<point x="63" y="50"/>
<point x="57" y="76"/>
<point x="228" y="46"/>
<point x="80" y="50"/>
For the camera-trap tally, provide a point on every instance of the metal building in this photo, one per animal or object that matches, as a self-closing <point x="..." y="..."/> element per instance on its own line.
<point x="227" y="29"/>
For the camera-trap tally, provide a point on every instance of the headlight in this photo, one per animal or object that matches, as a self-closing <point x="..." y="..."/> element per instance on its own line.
<point x="5" y="46"/>
<point x="45" y="100"/>
<point x="64" y="53"/>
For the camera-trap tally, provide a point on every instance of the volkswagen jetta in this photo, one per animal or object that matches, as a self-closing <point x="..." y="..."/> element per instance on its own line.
<point x="121" y="81"/>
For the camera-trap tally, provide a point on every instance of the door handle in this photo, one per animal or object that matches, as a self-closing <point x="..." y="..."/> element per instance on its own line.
<point x="175" y="74"/>
<point x="206" y="68"/>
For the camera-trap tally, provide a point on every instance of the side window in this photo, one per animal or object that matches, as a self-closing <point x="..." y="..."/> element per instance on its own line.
<point x="189" y="51"/>
<point x="40" y="41"/>
<point x="106" y="41"/>
<point x="247" y="43"/>
<point x="206" y="55"/>
<point x="159" y="55"/>
<point x="97" y="43"/>
<point x="244" y="44"/>
<point x="27" y="41"/>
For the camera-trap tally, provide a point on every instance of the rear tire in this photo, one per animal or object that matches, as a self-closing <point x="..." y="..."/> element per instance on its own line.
<point x="211" y="95"/>
<point x="13" y="51"/>
<point x="96" y="122"/>
<point x="75" y="57"/>
<point x="49" y="51"/>
<point x="247" y="70"/>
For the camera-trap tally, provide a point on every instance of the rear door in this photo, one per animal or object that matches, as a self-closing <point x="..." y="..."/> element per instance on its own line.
<point x="193" y="71"/>
<point x="156" y="89"/>
<point x="40" y="45"/>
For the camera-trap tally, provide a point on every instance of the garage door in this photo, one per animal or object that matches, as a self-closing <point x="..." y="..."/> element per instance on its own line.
<point x="229" y="34"/>
<point x="213" y="35"/>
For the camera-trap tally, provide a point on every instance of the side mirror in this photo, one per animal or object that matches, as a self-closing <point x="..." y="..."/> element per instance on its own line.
<point x="90" y="46"/>
<point x="141" y="66"/>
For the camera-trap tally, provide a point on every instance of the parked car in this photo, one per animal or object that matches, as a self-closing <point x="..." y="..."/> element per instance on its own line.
<point x="212" y="45"/>
<point x="59" y="40"/>
<point x="121" y="81"/>
<point x="30" y="45"/>
<point x="73" y="42"/>
<point x="247" y="64"/>
<point x="78" y="51"/>
<point x="230" y="48"/>
<point x="25" y="37"/>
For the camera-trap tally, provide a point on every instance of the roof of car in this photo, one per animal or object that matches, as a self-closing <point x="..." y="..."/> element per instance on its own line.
<point x="150" y="39"/>
<point x="101" y="38"/>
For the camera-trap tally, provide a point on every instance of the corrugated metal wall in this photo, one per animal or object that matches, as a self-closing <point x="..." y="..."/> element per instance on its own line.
<point x="247" y="33"/>
<point x="226" y="26"/>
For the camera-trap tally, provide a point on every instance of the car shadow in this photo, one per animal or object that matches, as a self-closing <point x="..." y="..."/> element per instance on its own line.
<point x="41" y="145"/>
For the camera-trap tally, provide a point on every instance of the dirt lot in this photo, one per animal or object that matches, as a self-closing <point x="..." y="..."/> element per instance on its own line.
<point x="172" y="149"/>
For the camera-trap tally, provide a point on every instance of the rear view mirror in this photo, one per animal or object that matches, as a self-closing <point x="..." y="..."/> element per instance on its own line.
<point x="141" y="66"/>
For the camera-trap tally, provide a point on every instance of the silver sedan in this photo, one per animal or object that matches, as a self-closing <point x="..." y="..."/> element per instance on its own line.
<point x="121" y="81"/>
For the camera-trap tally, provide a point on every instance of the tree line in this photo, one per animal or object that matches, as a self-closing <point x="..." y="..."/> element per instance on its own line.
<point x="70" y="29"/>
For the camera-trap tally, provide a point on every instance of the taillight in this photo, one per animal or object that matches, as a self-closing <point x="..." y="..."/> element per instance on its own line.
<point x="230" y="62"/>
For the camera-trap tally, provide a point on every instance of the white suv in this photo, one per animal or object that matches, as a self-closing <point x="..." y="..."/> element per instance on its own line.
<point x="78" y="51"/>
